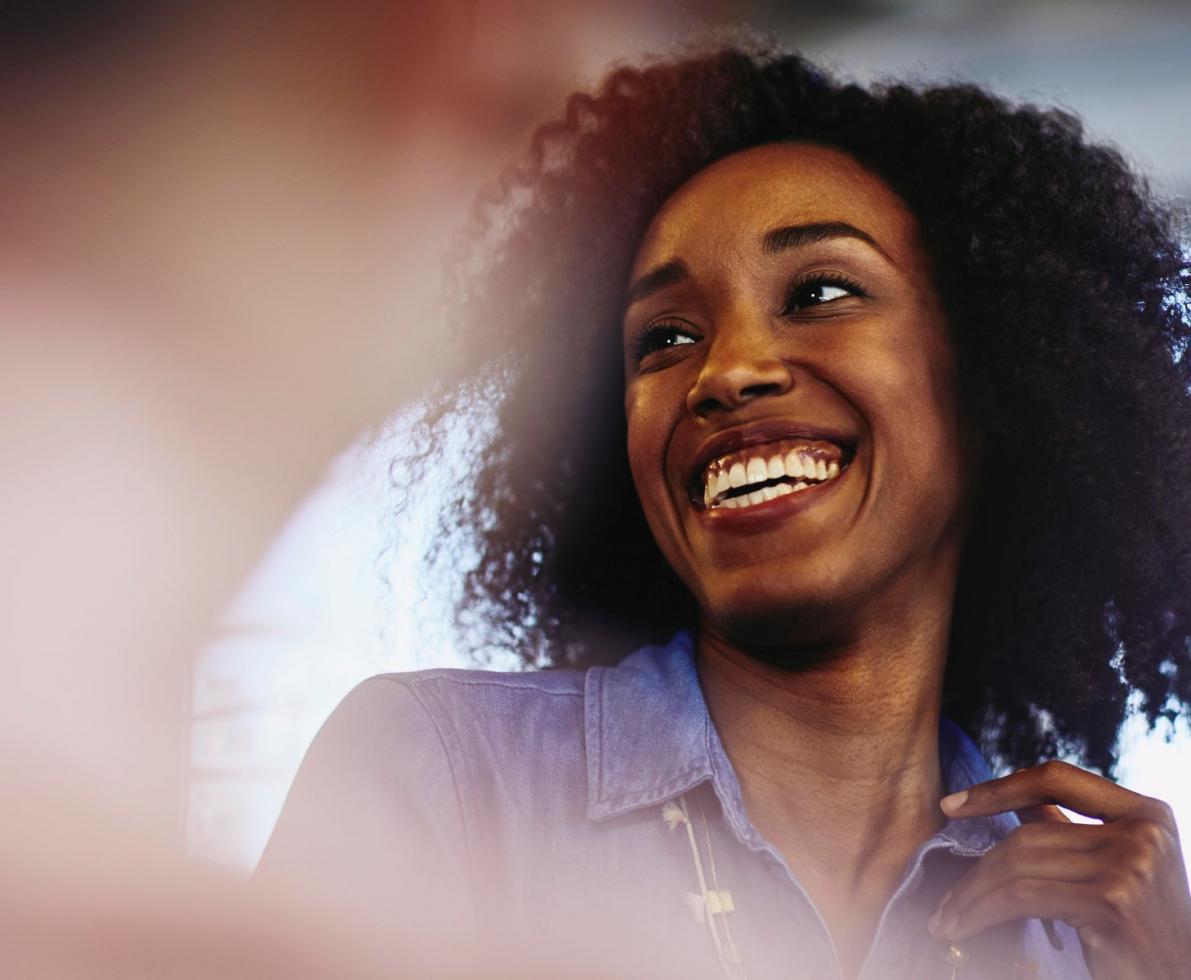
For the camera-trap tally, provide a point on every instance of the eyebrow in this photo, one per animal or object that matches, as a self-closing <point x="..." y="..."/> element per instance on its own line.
<point x="664" y="275"/>
<point x="796" y="236"/>
<point x="778" y="240"/>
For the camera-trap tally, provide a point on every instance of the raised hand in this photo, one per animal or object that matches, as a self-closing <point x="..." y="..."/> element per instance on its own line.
<point x="1122" y="883"/>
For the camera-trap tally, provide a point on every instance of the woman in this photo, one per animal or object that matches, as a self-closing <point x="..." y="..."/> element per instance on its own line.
<point x="907" y="422"/>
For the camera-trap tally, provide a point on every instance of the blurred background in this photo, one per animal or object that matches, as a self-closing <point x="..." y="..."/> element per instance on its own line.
<point x="343" y="592"/>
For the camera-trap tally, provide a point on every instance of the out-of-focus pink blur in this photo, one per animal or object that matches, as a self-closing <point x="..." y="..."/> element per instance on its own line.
<point x="221" y="229"/>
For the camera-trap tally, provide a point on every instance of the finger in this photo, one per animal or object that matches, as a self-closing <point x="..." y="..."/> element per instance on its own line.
<point x="1045" y="813"/>
<point x="1063" y="852"/>
<point x="1053" y="852"/>
<point x="1056" y="783"/>
<point x="1024" y="898"/>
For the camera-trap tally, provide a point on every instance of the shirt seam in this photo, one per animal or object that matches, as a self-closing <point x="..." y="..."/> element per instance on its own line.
<point x="596" y="702"/>
<point x="617" y="804"/>
<point x="461" y="804"/>
<point x="411" y="681"/>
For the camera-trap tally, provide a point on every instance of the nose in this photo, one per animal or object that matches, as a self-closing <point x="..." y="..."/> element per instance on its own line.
<point x="741" y="365"/>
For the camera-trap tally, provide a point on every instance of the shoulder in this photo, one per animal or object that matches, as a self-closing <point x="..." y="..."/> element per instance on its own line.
<point x="452" y="754"/>
<point x="403" y="774"/>
<point x="451" y="689"/>
<point x="451" y="709"/>
<point x="465" y="714"/>
<point x="448" y="741"/>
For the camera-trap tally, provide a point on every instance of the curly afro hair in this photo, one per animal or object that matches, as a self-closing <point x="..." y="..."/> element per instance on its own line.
<point x="1065" y="289"/>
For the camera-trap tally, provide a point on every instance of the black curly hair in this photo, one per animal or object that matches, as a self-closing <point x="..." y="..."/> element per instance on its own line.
<point x="1065" y="289"/>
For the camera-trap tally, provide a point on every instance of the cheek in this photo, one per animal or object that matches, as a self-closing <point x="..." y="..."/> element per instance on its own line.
<point x="651" y="417"/>
<point x="926" y="429"/>
<point x="909" y="371"/>
<point x="938" y="403"/>
<point x="648" y="429"/>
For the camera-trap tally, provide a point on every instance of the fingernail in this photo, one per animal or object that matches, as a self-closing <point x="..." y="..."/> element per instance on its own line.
<point x="953" y="802"/>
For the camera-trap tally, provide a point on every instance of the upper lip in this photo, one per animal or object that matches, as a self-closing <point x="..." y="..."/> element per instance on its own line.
<point x="760" y="432"/>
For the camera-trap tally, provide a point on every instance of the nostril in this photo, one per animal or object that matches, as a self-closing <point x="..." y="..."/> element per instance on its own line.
<point x="760" y="391"/>
<point x="724" y="387"/>
<point x="734" y="398"/>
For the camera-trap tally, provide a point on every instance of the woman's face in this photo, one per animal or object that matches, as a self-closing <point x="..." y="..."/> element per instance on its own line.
<point x="793" y="423"/>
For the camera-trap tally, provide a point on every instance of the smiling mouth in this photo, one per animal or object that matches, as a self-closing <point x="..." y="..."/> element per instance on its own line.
<point x="761" y="473"/>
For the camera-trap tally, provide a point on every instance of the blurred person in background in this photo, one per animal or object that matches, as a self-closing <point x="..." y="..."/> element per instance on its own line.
<point x="906" y="465"/>
<point x="221" y="226"/>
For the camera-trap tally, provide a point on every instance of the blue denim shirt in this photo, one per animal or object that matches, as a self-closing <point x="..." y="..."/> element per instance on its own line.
<point x="539" y="797"/>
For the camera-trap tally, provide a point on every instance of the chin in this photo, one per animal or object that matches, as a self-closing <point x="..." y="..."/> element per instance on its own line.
<point x="783" y="627"/>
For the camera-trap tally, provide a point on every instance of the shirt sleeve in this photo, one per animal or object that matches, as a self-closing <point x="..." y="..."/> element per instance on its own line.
<point x="373" y="822"/>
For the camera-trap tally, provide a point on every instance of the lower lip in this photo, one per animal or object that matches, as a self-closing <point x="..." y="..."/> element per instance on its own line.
<point x="764" y="514"/>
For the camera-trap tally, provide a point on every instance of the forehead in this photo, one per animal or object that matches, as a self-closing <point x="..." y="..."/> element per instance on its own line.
<point x="726" y="209"/>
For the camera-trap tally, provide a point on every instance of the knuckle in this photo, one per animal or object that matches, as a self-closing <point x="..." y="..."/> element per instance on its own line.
<point x="1054" y="771"/>
<point x="1059" y="766"/>
<point x="1022" y="891"/>
<point x="1161" y="813"/>
<point x="1143" y="868"/>
<point x="1097" y="938"/>
<point x="1014" y="859"/>
<point x="1155" y="834"/>
<point x="1118" y="894"/>
<point x="1150" y="839"/>
<point x="1027" y="834"/>
<point x="1010" y="861"/>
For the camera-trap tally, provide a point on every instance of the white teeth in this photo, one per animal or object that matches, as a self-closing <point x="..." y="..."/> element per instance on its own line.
<point x="798" y="466"/>
<point x="714" y="484"/>
<point x="793" y="464"/>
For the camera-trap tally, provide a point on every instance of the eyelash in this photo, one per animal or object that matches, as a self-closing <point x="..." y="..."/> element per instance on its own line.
<point x="820" y="279"/>
<point x="660" y="329"/>
<point x="643" y="346"/>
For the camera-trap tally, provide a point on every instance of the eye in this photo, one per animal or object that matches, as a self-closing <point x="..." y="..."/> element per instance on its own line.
<point x="662" y="336"/>
<point x="820" y="290"/>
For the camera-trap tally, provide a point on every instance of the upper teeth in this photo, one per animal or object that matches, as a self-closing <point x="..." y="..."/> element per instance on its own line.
<point x="797" y="467"/>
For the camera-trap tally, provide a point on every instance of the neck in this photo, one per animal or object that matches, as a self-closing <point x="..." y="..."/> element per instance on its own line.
<point x="837" y="755"/>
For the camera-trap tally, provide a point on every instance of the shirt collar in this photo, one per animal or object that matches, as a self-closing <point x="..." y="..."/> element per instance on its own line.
<point x="649" y="738"/>
<point x="646" y="728"/>
<point x="963" y="766"/>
